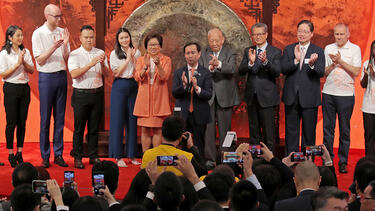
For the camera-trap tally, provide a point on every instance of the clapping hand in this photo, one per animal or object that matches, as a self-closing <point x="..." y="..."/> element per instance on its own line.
<point x="313" y="59"/>
<point x="297" y="52"/>
<point x="262" y="56"/>
<point x="252" y="55"/>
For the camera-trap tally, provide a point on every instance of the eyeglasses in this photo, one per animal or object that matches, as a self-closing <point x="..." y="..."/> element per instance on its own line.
<point x="257" y="35"/>
<point x="56" y="16"/>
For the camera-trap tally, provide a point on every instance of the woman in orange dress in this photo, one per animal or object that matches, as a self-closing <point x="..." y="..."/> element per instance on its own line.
<point x="152" y="104"/>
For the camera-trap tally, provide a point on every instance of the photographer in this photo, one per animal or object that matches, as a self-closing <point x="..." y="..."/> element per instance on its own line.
<point x="173" y="143"/>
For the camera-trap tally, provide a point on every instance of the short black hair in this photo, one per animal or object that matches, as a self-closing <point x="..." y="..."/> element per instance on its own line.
<point x="156" y="36"/>
<point x="269" y="177"/>
<point x="173" y="127"/>
<point x="134" y="207"/>
<point x="138" y="189"/>
<point x="207" y="205"/>
<point x="309" y="23"/>
<point x="111" y="173"/>
<point x="219" y="185"/>
<point x="86" y="203"/>
<point x="193" y="43"/>
<point x="24" y="173"/>
<point x="243" y="196"/>
<point x="23" y="198"/>
<point x="319" y="198"/>
<point x="168" y="191"/>
<point x="328" y="177"/>
<point x="366" y="173"/>
<point x="86" y="27"/>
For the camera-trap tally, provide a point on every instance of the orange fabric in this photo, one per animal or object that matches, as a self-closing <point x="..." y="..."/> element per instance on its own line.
<point x="151" y="121"/>
<point x="159" y="95"/>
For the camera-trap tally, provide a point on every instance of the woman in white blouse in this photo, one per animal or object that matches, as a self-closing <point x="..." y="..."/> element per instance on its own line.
<point x="368" y="105"/>
<point x="15" y="65"/>
<point x="124" y="92"/>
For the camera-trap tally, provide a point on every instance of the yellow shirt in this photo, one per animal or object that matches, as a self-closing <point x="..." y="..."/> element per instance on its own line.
<point x="164" y="150"/>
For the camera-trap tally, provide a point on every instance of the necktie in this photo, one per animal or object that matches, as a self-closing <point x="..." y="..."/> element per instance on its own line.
<point x="259" y="51"/>
<point x="191" y="107"/>
<point x="302" y="57"/>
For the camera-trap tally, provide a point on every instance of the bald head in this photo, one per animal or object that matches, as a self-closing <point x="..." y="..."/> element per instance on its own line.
<point x="52" y="13"/>
<point x="215" y="39"/>
<point x="306" y="172"/>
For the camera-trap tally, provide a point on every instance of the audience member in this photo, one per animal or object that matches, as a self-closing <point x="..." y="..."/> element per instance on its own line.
<point x="307" y="180"/>
<point x="207" y="205"/>
<point x="23" y="199"/>
<point x="243" y="196"/>
<point x="368" y="199"/>
<point x="329" y="199"/>
<point x="138" y="189"/>
<point x="86" y="203"/>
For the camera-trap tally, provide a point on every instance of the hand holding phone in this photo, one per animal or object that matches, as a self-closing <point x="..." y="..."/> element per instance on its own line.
<point x="313" y="150"/>
<point x="255" y="150"/>
<point x="298" y="157"/>
<point x="68" y="178"/>
<point x="98" y="182"/>
<point x="231" y="157"/>
<point x="39" y="186"/>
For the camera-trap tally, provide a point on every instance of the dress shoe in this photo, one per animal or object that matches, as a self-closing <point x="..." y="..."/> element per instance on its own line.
<point x="342" y="168"/>
<point x="18" y="157"/>
<point x="12" y="160"/>
<point x="60" y="161"/>
<point x="94" y="160"/>
<point x="45" y="163"/>
<point x="78" y="164"/>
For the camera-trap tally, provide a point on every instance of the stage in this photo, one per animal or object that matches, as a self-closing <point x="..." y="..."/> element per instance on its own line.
<point x="83" y="176"/>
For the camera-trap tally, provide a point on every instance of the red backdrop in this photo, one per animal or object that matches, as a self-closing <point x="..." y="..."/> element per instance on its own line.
<point x="325" y="14"/>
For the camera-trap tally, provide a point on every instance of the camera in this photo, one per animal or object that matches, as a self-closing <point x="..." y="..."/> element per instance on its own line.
<point x="231" y="157"/>
<point x="167" y="160"/>
<point x="313" y="150"/>
<point x="39" y="186"/>
<point x="298" y="157"/>
<point x="98" y="182"/>
<point x="68" y="178"/>
<point x="255" y="150"/>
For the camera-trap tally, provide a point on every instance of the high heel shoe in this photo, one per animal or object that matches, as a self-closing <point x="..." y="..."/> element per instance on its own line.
<point x="18" y="157"/>
<point x="12" y="160"/>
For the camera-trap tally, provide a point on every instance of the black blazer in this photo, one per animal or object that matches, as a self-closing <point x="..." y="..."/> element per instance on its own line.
<point x="305" y="83"/>
<point x="301" y="202"/>
<point x="201" y="111"/>
<point x="262" y="78"/>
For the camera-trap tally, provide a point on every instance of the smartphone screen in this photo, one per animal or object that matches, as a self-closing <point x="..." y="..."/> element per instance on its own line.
<point x="298" y="157"/>
<point x="255" y="150"/>
<point x="231" y="157"/>
<point x="39" y="186"/>
<point x="167" y="160"/>
<point x="68" y="178"/>
<point x="313" y="151"/>
<point x="98" y="182"/>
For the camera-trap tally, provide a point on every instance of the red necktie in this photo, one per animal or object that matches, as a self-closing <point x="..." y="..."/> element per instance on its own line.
<point x="191" y="107"/>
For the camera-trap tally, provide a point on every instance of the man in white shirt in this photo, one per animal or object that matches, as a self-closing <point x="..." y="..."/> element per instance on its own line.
<point x="87" y="65"/>
<point x="343" y="63"/>
<point x="51" y="50"/>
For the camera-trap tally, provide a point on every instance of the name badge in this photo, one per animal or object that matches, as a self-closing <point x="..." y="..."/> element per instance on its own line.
<point x="307" y="61"/>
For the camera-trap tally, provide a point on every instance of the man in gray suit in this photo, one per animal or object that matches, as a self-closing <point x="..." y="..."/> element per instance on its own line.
<point x="221" y="61"/>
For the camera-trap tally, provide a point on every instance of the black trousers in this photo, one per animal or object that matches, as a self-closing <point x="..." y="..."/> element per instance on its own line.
<point x="369" y="126"/>
<point x="261" y="123"/>
<point x="16" y="103"/>
<point x="293" y="115"/>
<point x="198" y="131"/>
<point x="88" y="109"/>
<point x="342" y="106"/>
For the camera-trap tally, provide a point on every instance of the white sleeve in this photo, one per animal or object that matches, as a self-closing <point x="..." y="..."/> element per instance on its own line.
<point x="36" y="44"/>
<point x="28" y="58"/>
<point x="3" y="62"/>
<point x="365" y="64"/>
<point x="357" y="57"/>
<point x="73" y="61"/>
<point x="328" y="59"/>
<point x="114" y="61"/>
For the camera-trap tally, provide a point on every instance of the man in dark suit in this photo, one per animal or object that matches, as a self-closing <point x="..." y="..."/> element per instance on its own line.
<point x="192" y="88"/>
<point x="303" y="65"/>
<point x="262" y="65"/>
<point x="307" y="180"/>
<point x="221" y="62"/>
